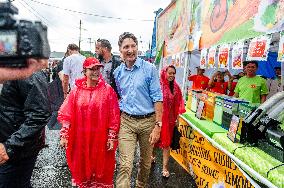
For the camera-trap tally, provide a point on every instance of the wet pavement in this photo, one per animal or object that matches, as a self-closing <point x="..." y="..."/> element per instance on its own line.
<point x="51" y="170"/>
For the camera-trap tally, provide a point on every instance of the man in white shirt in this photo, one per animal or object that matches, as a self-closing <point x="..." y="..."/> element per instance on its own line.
<point x="72" y="68"/>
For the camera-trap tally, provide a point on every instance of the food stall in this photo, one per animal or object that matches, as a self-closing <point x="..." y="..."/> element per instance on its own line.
<point x="217" y="144"/>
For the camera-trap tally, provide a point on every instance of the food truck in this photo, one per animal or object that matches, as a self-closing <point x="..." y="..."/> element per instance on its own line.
<point x="226" y="141"/>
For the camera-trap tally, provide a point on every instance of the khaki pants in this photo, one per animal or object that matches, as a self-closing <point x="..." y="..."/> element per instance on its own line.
<point x="131" y="131"/>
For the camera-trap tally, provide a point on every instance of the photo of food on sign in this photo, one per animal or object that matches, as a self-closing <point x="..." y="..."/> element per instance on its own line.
<point x="203" y="62"/>
<point x="258" y="48"/>
<point x="223" y="56"/>
<point x="211" y="57"/>
<point x="237" y="61"/>
<point x="223" y="60"/>
<point x="237" y="56"/>
<point x="203" y="58"/>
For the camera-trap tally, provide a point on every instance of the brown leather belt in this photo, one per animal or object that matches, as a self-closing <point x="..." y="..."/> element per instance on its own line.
<point x="139" y="116"/>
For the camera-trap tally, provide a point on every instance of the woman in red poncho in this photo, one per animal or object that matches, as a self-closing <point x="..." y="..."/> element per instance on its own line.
<point x="90" y="120"/>
<point x="173" y="105"/>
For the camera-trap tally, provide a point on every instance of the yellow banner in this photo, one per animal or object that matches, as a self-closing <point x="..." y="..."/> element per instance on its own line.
<point x="209" y="166"/>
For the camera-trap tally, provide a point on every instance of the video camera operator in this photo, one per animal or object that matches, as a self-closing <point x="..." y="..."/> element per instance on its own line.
<point x="24" y="106"/>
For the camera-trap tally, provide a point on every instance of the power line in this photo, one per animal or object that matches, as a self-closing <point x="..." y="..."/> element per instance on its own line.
<point x="32" y="12"/>
<point x="91" y="14"/>
<point x="46" y="19"/>
<point x="43" y="16"/>
<point x="39" y="16"/>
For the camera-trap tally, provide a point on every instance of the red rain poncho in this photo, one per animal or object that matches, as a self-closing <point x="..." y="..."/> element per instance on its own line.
<point x="173" y="105"/>
<point x="94" y="117"/>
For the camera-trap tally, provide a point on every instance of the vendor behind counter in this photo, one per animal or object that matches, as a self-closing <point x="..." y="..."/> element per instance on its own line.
<point x="251" y="87"/>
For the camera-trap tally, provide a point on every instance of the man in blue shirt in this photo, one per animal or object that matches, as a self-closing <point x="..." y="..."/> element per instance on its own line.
<point x="141" y="111"/>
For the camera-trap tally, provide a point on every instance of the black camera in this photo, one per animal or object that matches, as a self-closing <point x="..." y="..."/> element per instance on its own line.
<point x="20" y="40"/>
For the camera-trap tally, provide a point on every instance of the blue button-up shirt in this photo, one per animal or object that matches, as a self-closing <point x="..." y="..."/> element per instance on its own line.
<point x="138" y="87"/>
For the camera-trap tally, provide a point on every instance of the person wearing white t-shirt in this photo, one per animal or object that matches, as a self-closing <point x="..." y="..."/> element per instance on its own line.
<point x="72" y="68"/>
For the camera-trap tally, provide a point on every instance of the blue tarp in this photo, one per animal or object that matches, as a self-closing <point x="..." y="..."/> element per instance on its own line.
<point x="266" y="68"/>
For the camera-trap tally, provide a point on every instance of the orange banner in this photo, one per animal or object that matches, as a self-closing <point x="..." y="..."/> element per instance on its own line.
<point x="226" y="21"/>
<point x="209" y="166"/>
<point x="172" y="28"/>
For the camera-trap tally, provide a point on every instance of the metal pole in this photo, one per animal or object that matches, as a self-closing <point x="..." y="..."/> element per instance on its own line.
<point x="90" y="42"/>
<point x="80" y="35"/>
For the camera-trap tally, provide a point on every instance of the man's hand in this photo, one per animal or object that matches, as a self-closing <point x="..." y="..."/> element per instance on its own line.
<point x="63" y="142"/>
<point x="65" y="85"/>
<point x="110" y="144"/>
<point x="33" y="65"/>
<point x="155" y="135"/>
<point x="3" y="154"/>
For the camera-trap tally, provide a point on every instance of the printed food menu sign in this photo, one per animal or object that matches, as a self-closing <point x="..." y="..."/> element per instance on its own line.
<point x="258" y="48"/>
<point x="223" y="56"/>
<point x="209" y="166"/>
<point x="237" y="55"/>
<point x="203" y="58"/>
<point x="211" y="57"/>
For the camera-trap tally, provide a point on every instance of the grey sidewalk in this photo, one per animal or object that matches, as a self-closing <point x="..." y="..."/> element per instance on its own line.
<point x="52" y="172"/>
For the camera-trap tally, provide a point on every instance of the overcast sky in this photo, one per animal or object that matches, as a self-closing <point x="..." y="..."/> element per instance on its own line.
<point x="63" y="26"/>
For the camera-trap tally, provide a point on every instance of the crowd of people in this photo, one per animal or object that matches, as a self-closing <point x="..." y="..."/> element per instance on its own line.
<point x="245" y="85"/>
<point x="104" y="105"/>
<point x="108" y="103"/>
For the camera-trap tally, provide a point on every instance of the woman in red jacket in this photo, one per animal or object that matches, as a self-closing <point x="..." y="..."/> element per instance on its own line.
<point x="173" y="105"/>
<point x="90" y="119"/>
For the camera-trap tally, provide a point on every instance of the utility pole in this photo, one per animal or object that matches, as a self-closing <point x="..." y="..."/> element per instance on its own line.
<point x="90" y="42"/>
<point x="80" y="35"/>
